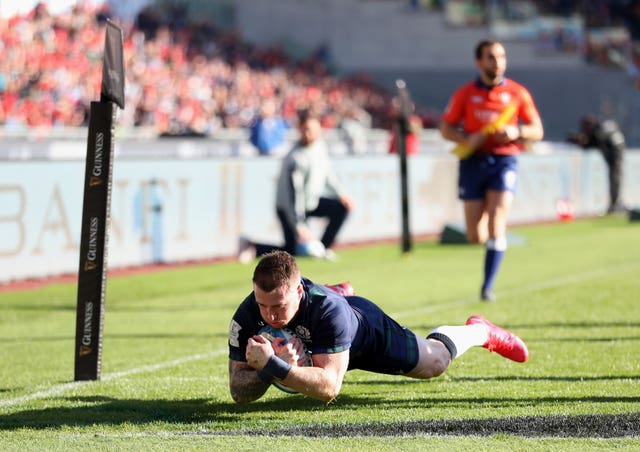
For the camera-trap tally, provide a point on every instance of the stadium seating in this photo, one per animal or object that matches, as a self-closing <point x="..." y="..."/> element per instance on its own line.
<point x="191" y="80"/>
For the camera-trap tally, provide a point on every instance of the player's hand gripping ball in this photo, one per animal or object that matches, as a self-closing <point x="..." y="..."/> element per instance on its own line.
<point x="271" y="334"/>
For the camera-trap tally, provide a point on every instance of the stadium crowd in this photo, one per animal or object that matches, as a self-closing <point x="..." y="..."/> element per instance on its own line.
<point x="194" y="79"/>
<point x="180" y="80"/>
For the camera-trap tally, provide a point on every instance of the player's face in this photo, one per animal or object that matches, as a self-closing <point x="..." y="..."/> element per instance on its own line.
<point x="279" y="306"/>
<point x="492" y="63"/>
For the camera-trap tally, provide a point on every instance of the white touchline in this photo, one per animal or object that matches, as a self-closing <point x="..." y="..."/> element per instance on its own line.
<point x="75" y="384"/>
<point x="152" y="367"/>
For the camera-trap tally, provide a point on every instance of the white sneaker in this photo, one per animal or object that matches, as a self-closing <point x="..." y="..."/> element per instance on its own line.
<point x="330" y="255"/>
<point x="312" y="248"/>
<point x="246" y="251"/>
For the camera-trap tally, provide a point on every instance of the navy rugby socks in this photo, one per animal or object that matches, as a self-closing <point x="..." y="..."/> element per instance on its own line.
<point x="495" y="249"/>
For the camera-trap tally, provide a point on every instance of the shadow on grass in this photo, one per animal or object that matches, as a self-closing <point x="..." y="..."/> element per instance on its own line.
<point x="506" y="378"/>
<point x="107" y="411"/>
<point x="100" y="410"/>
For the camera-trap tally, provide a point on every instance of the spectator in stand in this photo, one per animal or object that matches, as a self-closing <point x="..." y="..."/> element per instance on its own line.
<point x="269" y="130"/>
<point x="353" y="125"/>
<point x="176" y="81"/>
<point x="201" y="79"/>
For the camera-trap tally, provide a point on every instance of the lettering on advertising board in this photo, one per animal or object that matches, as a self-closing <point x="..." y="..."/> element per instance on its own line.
<point x="92" y="253"/>
<point x="96" y="171"/>
<point x="85" y="345"/>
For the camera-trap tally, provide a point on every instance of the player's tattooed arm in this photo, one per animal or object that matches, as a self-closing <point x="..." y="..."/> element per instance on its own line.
<point x="244" y="383"/>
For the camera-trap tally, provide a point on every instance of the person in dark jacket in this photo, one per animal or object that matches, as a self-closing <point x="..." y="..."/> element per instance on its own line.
<point x="606" y="136"/>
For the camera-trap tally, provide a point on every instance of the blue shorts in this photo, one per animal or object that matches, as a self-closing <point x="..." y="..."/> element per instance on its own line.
<point x="478" y="174"/>
<point x="382" y="345"/>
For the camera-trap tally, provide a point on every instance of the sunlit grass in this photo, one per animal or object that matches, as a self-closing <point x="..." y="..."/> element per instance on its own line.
<point x="571" y="291"/>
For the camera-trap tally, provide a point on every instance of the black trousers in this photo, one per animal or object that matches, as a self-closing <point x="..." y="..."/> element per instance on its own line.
<point x="613" y="157"/>
<point x="330" y="208"/>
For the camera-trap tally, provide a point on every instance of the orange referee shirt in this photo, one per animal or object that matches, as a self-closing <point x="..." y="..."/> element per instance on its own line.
<point x="475" y="105"/>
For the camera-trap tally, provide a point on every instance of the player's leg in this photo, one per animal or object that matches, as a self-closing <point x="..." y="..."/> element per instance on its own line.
<point x="248" y="250"/>
<point x="498" y="206"/>
<point x="345" y="289"/>
<point x="446" y="343"/>
<point x="443" y="345"/>
<point x="499" y="199"/>
<point x="472" y="175"/>
<point x="290" y="234"/>
<point x="614" y="165"/>
<point x="434" y="358"/>
<point x="336" y="213"/>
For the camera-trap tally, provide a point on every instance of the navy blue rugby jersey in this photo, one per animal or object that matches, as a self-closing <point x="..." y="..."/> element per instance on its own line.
<point x="329" y="323"/>
<point x="325" y="322"/>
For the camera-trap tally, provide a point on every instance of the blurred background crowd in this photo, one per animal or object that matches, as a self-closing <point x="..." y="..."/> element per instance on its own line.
<point x="182" y="79"/>
<point x="191" y="78"/>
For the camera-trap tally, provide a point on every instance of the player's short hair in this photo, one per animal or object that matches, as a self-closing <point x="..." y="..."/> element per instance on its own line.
<point x="276" y="269"/>
<point x="484" y="43"/>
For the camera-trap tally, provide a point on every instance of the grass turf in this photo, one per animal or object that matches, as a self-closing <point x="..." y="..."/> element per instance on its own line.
<point x="570" y="291"/>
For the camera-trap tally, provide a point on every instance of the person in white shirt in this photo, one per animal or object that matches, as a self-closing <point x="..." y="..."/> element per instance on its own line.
<point x="307" y="187"/>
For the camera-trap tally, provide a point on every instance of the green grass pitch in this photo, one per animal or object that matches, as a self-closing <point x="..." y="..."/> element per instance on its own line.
<point x="571" y="291"/>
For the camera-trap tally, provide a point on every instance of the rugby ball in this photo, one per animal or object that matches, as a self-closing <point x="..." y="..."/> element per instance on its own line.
<point x="271" y="334"/>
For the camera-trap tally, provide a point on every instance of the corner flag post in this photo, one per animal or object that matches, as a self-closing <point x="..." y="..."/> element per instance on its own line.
<point x="403" y="130"/>
<point x="92" y="272"/>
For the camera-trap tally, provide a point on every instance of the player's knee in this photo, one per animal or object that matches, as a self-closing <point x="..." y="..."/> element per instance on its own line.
<point x="440" y="365"/>
<point x="434" y="361"/>
<point x="434" y="368"/>
<point x="477" y="234"/>
<point x="474" y="239"/>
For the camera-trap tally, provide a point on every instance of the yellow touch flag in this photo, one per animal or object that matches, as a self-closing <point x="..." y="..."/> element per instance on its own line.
<point x="463" y="150"/>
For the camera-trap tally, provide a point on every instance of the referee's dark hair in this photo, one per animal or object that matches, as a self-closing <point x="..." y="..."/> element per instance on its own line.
<point x="484" y="43"/>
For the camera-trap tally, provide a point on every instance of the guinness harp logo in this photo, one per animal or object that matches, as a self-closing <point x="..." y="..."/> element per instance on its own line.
<point x="88" y="266"/>
<point x="93" y="181"/>
<point x="84" y="350"/>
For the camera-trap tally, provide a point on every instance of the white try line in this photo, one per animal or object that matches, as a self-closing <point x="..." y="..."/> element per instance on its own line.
<point x="58" y="389"/>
